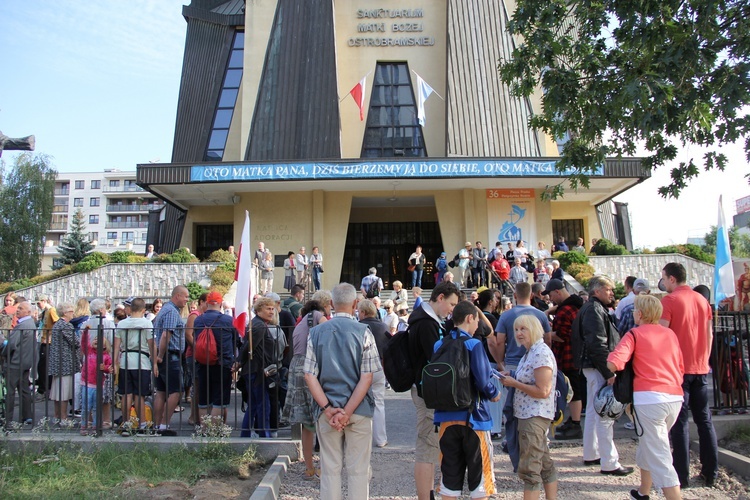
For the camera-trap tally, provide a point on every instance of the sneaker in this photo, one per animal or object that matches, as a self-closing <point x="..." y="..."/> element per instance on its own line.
<point x="565" y="426"/>
<point x="635" y="495"/>
<point x="28" y="421"/>
<point x="574" y="432"/>
<point x="166" y="432"/>
<point x="629" y="426"/>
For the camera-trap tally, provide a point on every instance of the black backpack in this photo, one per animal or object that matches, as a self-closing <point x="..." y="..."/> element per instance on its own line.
<point x="398" y="366"/>
<point x="446" y="379"/>
<point x="374" y="290"/>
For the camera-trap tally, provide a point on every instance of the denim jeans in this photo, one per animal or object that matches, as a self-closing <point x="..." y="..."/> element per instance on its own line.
<point x="88" y="406"/>
<point x="416" y="278"/>
<point x="316" y="277"/>
<point x="258" y="414"/>
<point x="695" y="389"/>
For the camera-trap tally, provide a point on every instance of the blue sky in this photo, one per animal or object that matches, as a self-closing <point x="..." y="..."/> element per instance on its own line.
<point x="97" y="82"/>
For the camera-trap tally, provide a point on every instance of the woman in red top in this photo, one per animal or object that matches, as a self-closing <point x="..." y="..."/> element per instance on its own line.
<point x="657" y="393"/>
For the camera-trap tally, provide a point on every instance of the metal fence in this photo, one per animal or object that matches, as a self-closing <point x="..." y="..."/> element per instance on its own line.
<point x="52" y="382"/>
<point x="729" y="362"/>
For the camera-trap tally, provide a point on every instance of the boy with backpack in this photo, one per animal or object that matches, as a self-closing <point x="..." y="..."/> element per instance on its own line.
<point x="465" y="442"/>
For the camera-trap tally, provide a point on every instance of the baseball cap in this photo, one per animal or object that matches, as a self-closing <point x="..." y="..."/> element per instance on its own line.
<point x="553" y="285"/>
<point x="42" y="297"/>
<point x="641" y="285"/>
<point x="273" y="296"/>
<point x="129" y="301"/>
<point x="214" y="298"/>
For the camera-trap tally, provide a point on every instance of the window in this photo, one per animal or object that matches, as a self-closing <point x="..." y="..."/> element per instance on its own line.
<point x="130" y="183"/>
<point x="79" y="184"/>
<point x="127" y="236"/>
<point x="392" y="125"/>
<point x="96" y="184"/>
<point x="227" y="99"/>
<point x="112" y="235"/>
<point x="144" y="238"/>
<point x="94" y="202"/>
<point x="93" y="219"/>
<point x="114" y="183"/>
<point x="94" y="236"/>
<point x="77" y="202"/>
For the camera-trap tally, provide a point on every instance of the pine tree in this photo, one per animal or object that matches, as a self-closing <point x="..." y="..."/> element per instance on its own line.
<point x="76" y="245"/>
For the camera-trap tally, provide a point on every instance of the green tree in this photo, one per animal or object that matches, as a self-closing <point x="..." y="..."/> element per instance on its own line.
<point x="738" y="243"/>
<point x="618" y="75"/>
<point x="76" y="245"/>
<point x="27" y="194"/>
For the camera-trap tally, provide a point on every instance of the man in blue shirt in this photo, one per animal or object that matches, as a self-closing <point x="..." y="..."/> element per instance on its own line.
<point x="511" y="353"/>
<point x="169" y="333"/>
<point x="469" y="446"/>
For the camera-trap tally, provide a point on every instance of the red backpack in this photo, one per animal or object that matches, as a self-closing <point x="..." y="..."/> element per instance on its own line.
<point x="205" y="351"/>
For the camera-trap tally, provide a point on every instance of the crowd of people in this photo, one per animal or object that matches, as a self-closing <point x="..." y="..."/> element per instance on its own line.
<point x="318" y="363"/>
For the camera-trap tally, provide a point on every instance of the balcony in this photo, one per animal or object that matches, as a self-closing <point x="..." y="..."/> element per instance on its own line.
<point x="132" y="208"/>
<point x="60" y="209"/>
<point x="58" y="226"/>
<point x="62" y="192"/>
<point x="123" y="189"/>
<point x="126" y="225"/>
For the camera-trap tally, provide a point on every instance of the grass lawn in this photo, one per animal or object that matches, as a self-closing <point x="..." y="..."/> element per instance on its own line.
<point x="68" y="472"/>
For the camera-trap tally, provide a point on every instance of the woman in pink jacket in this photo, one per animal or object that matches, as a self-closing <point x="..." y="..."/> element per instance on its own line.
<point x="89" y="369"/>
<point x="657" y="393"/>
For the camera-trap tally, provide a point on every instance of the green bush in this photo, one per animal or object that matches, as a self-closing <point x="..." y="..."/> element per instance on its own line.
<point x="619" y="290"/>
<point x="575" y="269"/>
<point x="195" y="289"/>
<point x="121" y="256"/>
<point x="220" y="277"/>
<point x="220" y="256"/>
<point x="583" y="279"/>
<point x="606" y="247"/>
<point x="688" y="250"/>
<point x="568" y="258"/>
<point x="92" y="261"/>
<point x="21" y="283"/>
<point x="228" y="266"/>
<point x="181" y="255"/>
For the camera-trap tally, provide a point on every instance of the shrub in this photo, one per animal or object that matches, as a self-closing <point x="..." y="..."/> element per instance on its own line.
<point x="575" y="269"/>
<point x="583" y="279"/>
<point x="619" y="290"/>
<point x="220" y="277"/>
<point x="228" y="266"/>
<point x="121" y="256"/>
<point x="195" y="289"/>
<point x="606" y="247"/>
<point x="92" y="261"/>
<point x="21" y="283"/>
<point x="688" y="250"/>
<point x="568" y="258"/>
<point x="220" y="256"/>
<point x="137" y="259"/>
<point x="181" y="255"/>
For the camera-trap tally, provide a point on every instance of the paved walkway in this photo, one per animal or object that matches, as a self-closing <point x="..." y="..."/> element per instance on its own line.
<point x="392" y="468"/>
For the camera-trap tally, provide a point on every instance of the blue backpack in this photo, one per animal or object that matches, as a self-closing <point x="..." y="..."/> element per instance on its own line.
<point x="563" y="393"/>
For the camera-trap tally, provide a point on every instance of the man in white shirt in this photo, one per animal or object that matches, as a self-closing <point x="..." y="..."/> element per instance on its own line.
<point x="627" y="299"/>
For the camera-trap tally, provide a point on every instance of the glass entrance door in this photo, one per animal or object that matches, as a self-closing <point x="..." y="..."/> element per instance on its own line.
<point x="387" y="247"/>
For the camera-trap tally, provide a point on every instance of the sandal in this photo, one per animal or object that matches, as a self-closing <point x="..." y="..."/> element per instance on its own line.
<point x="311" y="474"/>
<point x="106" y="425"/>
<point x="179" y="409"/>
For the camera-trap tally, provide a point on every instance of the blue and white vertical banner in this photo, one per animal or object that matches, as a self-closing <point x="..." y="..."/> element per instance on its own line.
<point x="511" y="216"/>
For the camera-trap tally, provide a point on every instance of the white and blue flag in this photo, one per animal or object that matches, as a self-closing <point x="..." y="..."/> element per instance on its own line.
<point x="723" y="272"/>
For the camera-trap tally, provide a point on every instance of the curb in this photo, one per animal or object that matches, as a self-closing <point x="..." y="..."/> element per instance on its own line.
<point x="738" y="463"/>
<point x="270" y="485"/>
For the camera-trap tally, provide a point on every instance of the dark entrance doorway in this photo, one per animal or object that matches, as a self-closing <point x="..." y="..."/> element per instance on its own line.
<point x="571" y="229"/>
<point x="387" y="247"/>
<point x="212" y="237"/>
